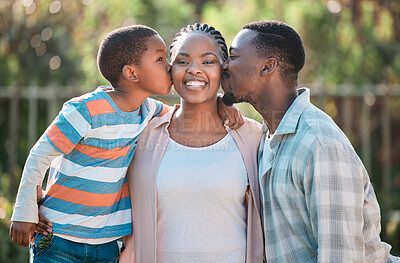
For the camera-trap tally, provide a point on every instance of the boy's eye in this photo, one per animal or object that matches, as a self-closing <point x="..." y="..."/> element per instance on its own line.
<point x="160" y="59"/>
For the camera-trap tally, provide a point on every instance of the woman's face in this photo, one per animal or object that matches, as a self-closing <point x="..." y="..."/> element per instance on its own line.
<point x="196" y="68"/>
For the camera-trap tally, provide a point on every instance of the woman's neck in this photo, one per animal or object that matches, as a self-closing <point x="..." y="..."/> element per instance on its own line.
<point x="197" y="125"/>
<point x="202" y="117"/>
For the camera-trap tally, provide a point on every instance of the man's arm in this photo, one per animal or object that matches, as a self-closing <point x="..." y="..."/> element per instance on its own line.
<point x="334" y="192"/>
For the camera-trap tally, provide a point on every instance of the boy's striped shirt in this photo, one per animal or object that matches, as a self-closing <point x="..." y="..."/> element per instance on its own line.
<point x="87" y="195"/>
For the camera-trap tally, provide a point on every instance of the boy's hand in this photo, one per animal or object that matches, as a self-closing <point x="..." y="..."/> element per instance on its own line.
<point x="231" y="116"/>
<point x="22" y="232"/>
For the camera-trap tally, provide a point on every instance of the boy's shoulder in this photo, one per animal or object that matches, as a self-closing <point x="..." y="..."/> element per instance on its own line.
<point x="97" y="94"/>
<point x="95" y="102"/>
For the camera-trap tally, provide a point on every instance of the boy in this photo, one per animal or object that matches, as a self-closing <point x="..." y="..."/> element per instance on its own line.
<point x="88" y="148"/>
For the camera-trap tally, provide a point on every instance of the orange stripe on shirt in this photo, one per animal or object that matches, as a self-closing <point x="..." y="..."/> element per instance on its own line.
<point x="96" y="152"/>
<point x="165" y="109"/>
<point x="97" y="107"/>
<point x="59" y="139"/>
<point x="85" y="198"/>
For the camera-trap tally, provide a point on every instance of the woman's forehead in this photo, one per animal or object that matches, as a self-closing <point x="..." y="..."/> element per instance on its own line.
<point x="195" y="42"/>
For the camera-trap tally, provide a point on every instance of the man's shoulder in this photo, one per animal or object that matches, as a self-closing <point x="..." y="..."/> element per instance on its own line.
<point x="317" y="127"/>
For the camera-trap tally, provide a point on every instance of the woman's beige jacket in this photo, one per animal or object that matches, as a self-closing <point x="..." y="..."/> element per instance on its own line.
<point x="142" y="177"/>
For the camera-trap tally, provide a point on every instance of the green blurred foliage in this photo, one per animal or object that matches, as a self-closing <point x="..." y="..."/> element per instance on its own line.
<point x="54" y="43"/>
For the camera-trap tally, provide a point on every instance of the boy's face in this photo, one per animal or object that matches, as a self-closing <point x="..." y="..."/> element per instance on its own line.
<point x="154" y="71"/>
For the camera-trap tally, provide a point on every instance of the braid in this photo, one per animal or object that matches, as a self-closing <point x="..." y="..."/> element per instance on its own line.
<point x="209" y="30"/>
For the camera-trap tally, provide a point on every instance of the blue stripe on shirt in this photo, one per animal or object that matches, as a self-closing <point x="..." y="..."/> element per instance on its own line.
<point x="110" y="143"/>
<point x="87" y="185"/>
<point x="82" y="159"/>
<point x="67" y="129"/>
<point x="87" y="232"/>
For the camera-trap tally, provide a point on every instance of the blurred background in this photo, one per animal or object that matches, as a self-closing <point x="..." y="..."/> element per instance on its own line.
<point x="48" y="55"/>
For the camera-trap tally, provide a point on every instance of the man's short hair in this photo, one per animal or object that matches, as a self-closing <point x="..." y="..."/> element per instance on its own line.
<point x="120" y="47"/>
<point x="279" y="40"/>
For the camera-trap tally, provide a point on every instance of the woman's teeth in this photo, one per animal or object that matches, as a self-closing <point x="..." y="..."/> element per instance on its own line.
<point x="195" y="83"/>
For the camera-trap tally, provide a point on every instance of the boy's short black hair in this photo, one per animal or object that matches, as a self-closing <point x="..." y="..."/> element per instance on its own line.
<point x="279" y="40"/>
<point x="120" y="47"/>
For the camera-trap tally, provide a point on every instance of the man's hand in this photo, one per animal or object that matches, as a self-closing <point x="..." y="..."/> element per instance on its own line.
<point x="231" y="116"/>
<point x="22" y="232"/>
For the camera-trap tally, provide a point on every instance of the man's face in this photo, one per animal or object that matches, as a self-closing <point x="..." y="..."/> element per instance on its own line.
<point x="241" y="71"/>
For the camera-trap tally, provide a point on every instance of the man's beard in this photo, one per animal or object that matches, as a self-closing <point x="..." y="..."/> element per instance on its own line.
<point x="228" y="98"/>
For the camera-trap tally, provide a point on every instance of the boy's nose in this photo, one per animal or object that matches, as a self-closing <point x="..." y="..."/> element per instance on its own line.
<point x="169" y="67"/>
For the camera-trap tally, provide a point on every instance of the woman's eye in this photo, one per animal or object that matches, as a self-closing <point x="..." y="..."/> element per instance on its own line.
<point x="207" y="62"/>
<point x="182" y="62"/>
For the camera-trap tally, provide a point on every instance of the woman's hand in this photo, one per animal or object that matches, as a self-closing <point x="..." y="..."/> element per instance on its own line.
<point x="231" y="116"/>
<point x="44" y="225"/>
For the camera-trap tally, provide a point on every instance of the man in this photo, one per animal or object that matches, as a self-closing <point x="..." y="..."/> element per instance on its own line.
<point x="318" y="202"/>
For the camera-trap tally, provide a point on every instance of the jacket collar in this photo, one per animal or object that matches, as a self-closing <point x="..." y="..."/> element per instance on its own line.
<point x="289" y="121"/>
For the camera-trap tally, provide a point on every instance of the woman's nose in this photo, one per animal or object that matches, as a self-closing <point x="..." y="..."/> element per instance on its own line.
<point x="194" y="68"/>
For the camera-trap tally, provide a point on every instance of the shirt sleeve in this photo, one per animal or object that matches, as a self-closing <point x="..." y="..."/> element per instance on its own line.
<point x="334" y="192"/>
<point x="70" y="126"/>
<point x="161" y="108"/>
<point x="39" y="160"/>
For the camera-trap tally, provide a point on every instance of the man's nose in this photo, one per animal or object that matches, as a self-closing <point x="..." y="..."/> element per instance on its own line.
<point x="225" y="64"/>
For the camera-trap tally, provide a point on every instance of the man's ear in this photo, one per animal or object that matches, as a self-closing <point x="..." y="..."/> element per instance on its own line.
<point x="269" y="66"/>
<point x="129" y="73"/>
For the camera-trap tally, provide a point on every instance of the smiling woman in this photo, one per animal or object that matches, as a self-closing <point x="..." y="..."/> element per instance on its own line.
<point x="199" y="201"/>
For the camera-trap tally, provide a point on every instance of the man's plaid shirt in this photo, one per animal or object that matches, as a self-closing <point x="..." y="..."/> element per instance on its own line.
<point x="318" y="202"/>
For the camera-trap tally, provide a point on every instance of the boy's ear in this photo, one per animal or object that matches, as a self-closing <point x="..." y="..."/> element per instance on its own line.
<point x="269" y="65"/>
<point x="129" y="73"/>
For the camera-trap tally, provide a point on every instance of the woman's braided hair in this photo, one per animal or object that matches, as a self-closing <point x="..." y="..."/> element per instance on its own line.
<point x="206" y="29"/>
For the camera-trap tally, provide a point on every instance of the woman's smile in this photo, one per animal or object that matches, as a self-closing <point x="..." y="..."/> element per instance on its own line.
<point x="195" y="84"/>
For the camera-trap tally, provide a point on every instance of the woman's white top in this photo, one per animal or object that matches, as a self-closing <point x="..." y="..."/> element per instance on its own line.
<point x="201" y="214"/>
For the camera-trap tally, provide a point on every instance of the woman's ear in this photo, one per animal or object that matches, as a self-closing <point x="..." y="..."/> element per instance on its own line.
<point x="269" y="65"/>
<point x="128" y="72"/>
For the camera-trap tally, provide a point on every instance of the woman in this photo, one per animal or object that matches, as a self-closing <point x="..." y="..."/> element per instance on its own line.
<point x="194" y="185"/>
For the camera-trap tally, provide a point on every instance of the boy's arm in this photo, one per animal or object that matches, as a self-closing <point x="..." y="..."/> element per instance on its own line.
<point x="23" y="232"/>
<point x="159" y="108"/>
<point x="39" y="160"/>
<point x="25" y="214"/>
<point x="63" y="134"/>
